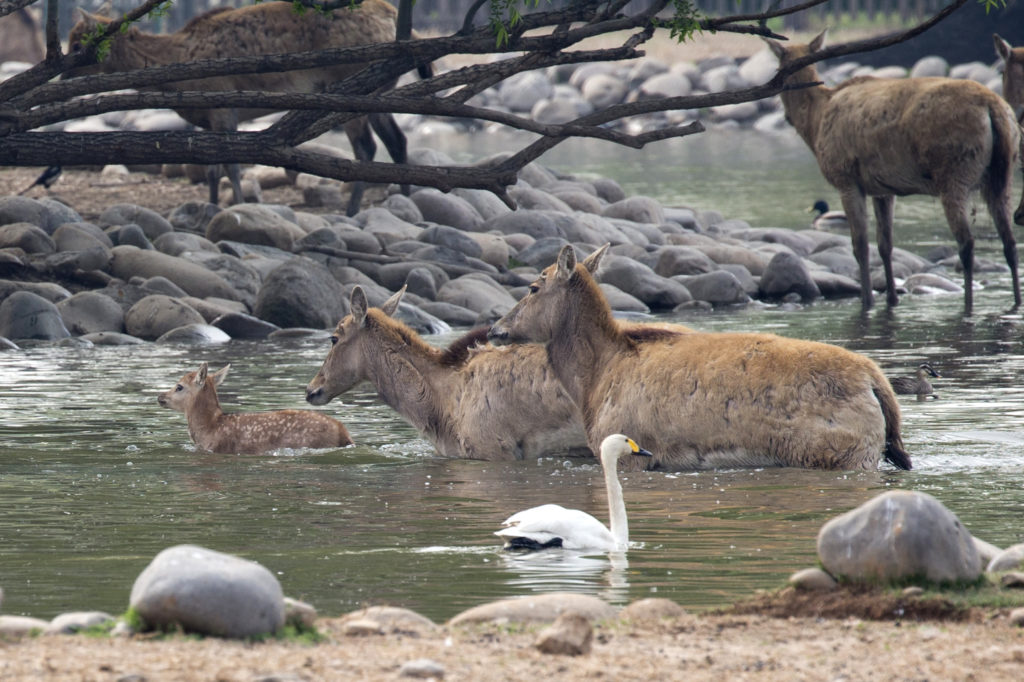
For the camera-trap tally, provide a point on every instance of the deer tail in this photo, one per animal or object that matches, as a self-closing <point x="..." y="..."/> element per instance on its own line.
<point x="894" y="451"/>
<point x="1004" y="151"/>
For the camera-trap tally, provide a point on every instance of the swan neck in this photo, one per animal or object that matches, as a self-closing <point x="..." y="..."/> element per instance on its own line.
<point x="617" y="521"/>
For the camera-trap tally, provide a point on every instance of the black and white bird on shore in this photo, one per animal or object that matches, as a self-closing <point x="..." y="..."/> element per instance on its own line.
<point x="46" y="178"/>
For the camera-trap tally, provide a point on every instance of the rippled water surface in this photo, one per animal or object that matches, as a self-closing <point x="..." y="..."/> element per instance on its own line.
<point x="95" y="478"/>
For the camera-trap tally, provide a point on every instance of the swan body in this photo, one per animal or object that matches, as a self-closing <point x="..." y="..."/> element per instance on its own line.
<point x="826" y="219"/>
<point x="552" y="525"/>
<point x="918" y="384"/>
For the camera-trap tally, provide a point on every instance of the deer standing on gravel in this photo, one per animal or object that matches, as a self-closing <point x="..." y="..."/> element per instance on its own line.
<point x="263" y="29"/>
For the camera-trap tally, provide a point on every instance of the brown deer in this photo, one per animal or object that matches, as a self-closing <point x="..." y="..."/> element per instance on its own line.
<point x="263" y="29"/>
<point x="705" y="400"/>
<point x="251" y="432"/>
<point x="886" y="138"/>
<point x="489" y="403"/>
<point x="1013" y="93"/>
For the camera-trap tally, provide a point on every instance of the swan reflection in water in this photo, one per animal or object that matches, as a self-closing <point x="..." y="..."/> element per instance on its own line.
<point x="601" y="575"/>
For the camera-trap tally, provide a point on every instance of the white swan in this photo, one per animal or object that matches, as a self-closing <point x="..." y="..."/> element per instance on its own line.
<point x="552" y="525"/>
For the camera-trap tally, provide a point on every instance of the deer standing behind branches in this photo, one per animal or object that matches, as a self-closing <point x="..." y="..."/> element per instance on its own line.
<point x="1013" y="93"/>
<point x="886" y="138"/>
<point x="262" y="29"/>
<point x="706" y="400"/>
<point x="195" y="394"/>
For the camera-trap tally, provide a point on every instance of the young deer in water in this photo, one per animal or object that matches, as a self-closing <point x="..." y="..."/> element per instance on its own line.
<point x="705" y="400"/>
<point x="883" y="138"/>
<point x="250" y="432"/>
<point x="1013" y="93"/>
<point x="262" y="29"/>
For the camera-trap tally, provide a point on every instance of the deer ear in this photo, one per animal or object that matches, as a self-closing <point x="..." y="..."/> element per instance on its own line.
<point x="776" y="47"/>
<point x="391" y="305"/>
<point x="1002" y="47"/>
<point x="201" y="374"/>
<point x="818" y="42"/>
<point x="219" y="376"/>
<point x="593" y="261"/>
<point x="566" y="263"/>
<point x="358" y="305"/>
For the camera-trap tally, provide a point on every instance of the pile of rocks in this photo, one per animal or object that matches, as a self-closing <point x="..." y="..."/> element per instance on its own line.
<point x="206" y="274"/>
<point x="561" y="94"/>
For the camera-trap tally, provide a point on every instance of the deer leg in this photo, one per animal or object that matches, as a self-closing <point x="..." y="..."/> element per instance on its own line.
<point x="999" y="209"/>
<point x="393" y="138"/>
<point x="855" y="206"/>
<point x="225" y="120"/>
<point x="884" y="210"/>
<point x="955" y="206"/>
<point x="363" y="147"/>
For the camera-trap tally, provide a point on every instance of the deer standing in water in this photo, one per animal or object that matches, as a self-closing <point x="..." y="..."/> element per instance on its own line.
<point x="263" y="29"/>
<point x="883" y="138"/>
<point x="211" y="429"/>
<point x="704" y="400"/>
<point x="1013" y="93"/>
<point x="487" y="403"/>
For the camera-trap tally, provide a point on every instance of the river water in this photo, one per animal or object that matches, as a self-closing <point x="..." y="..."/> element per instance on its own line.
<point x="96" y="478"/>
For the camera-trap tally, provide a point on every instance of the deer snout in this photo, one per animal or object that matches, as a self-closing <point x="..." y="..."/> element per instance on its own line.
<point x="316" y="395"/>
<point x="162" y="399"/>
<point x="498" y="335"/>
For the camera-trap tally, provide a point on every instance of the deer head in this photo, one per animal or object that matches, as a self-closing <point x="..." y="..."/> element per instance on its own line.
<point x="538" y="315"/>
<point x="345" y="365"/>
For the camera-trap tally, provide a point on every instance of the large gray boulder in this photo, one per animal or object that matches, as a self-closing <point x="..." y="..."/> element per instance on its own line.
<point x="899" y="534"/>
<point x="477" y="292"/>
<point x="640" y="281"/>
<point x="683" y="260"/>
<point x="129" y="261"/>
<point x="537" y="224"/>
<point x="301" y="293"/>
<point x="27" y="237"/>
<point x="15" y="209"/>
<point x="447" y="209"/>
<point x="386" y="226"/>
<point x="786" y="273"/>
<point x="88" y="311"/>
<point x="155" y="315"/>
<point x="720" y="287"/>
<point x="24" y="315"/>
<point x="254" y="224"/>
<point x="208" y="592"/>
<point x="152" y="223"/>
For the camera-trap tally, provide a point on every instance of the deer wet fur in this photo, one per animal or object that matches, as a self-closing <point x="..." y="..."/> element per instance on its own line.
<point x="211" y="429"/>
<point x="706" y="400"/>
<point x="476" y="403"/>
<point x="260" y="29"/>
<point x="883" y="138"/>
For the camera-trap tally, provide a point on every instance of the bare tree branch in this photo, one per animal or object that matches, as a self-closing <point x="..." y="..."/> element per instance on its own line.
<point x="543" y="39"/>
<point x="12" y="6"/>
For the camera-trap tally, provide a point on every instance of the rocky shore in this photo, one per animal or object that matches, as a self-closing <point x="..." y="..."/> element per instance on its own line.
<point x="204" y="273"/>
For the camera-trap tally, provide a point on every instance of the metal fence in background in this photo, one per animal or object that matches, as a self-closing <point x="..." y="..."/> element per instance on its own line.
<point x="447" y="15"/>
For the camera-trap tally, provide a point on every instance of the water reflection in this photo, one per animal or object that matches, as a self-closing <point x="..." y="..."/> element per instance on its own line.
<point x="567" y="571"/>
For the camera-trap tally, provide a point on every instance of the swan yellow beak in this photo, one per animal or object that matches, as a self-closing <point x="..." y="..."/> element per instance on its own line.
<point x="637" y="450"/>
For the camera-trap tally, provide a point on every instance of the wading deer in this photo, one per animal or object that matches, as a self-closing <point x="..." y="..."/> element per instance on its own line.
<point x="883" y="138"/>
<point x="705" y="400"/>
<point x="1013" y="93"/>
<point x="263" y="29"/>
<point x="490" y="404"/>
<point x="250" y="432"/>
